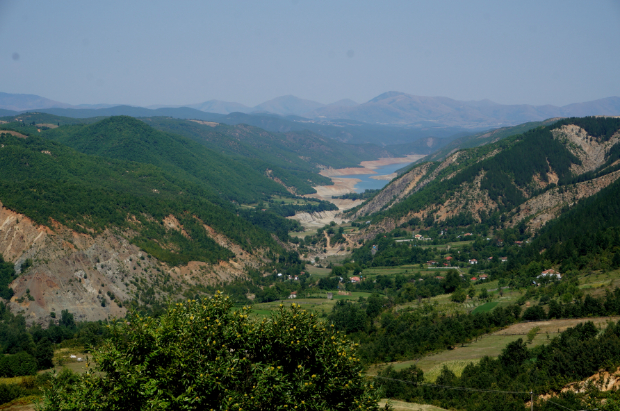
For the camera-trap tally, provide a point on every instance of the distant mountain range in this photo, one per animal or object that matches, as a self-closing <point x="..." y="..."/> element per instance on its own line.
<point x="391" y="109"/>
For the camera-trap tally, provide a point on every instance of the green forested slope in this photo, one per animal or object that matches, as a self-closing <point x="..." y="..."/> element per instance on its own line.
<point x="126" y="138"/>
<point x="295" y="157"/>
<point x="44" y="179"/>
<point x="508" y="175"/>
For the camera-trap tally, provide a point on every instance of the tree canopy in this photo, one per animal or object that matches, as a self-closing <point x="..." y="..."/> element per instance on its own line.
<point x="204" y="355"/>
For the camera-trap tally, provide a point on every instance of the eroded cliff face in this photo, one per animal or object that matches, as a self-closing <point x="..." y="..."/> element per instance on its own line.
<point x="95" y="276"/>
<point x="591" y="151"/>
<point x="549" y="204"/>
<point x="470" y="198"/>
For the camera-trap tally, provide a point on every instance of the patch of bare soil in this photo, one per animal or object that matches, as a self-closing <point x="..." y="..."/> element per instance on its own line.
<point x="206" y="123"/>
<point x="341" y="186"/>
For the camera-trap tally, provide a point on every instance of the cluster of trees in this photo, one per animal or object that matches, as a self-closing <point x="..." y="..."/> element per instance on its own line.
<point x="409" y="334"/>
<point x="574" y="355"/>
<point x="25" y="350"/>
<point x="204" y="355"/>
<point x="366" y="194"/>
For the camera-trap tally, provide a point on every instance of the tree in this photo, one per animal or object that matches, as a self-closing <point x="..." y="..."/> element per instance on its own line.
<point x="484" y="294"/>
<point x="471" y="292"/>
<point x="459" y="296"/>
<point x="452" y="282"/>
<point x="203" y="355"/>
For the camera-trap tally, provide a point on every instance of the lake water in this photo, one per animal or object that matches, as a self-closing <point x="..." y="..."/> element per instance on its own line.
<point x="371" y="183"/>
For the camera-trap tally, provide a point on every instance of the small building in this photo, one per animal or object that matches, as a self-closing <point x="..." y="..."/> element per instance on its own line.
<point x="418" y="236"/>
<point x="355" y="279"/>
<point x="439" y="277"/>
<point x="474" y="279"/>
<point x="330" y="296"/>
<point x="503" y="259"/>
<point x="483" y="277"/>
<point x="293" y="294"/>
<point x="448" y="258"/>
<point x="519" y="243"/>
<point x="431" y="262"/>
<point x="490" y="258"/>
<point x="550" y="273"/>
<point x="467" y="234"/>
<point x="473" y="261"/>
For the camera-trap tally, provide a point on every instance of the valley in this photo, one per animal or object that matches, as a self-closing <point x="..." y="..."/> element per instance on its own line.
<point x="439" y="270"/>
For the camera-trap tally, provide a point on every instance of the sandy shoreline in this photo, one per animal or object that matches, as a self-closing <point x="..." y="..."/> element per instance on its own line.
<point x="347" y="185"/>
<point x="368" y="167"/>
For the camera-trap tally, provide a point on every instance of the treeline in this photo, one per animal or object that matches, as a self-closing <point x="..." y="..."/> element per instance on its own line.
<point x="25" y="350"/>
<point x="574" y="355"/>
<point x="410" y="334"/>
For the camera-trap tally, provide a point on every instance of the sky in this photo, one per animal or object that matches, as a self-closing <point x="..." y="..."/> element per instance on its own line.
<point x="184" y="52"/>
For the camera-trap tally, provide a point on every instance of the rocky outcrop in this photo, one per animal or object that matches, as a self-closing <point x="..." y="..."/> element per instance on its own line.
<point x="395" y="191"/>
<point x="549" y="204"/>
<point x="590" y="150"/>
<point x="95" y="276"/>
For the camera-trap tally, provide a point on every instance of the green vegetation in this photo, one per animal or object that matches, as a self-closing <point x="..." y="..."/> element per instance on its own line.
<point x="46" y="180"/>
<point x="125" y="138"/>
<point x="202" y="355"/>
<point x="575" y="354"/>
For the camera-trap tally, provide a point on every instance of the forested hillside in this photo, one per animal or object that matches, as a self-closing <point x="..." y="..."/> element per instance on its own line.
<point x="46" y="180"/>
<point x="518" y="178"/>
<point x="126" y="138"/>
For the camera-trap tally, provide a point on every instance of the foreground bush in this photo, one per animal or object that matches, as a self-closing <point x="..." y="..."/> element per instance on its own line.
<point x="202" y="355"/>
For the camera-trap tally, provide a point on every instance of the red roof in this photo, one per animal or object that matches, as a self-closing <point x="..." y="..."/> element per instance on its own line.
<point x="357" y="279"/>
<point x="474" y="279"/>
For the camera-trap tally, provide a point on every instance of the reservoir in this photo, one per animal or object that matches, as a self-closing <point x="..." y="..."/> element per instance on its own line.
<point x="367" y="180"/>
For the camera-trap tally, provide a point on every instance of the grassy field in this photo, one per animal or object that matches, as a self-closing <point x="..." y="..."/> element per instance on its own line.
<point x="316" y="302"/>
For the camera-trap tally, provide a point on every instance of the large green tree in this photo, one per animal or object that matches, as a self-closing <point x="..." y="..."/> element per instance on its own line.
<point x="204" y="355"/>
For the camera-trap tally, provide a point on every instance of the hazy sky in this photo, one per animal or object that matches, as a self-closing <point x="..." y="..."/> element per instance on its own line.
<point x="182" y="52"/>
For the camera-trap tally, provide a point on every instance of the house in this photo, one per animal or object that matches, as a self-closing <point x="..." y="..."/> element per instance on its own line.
<point x="490" y="258"/>
<point x="439" y="277"/>
<point x="296" y="278"/>
<point x="448" y="258"/>
<point x="431" y="262"/>
<point x="474" y="279"/>
<point x="503" y="259"/>
<point x="484" y="276"/>
<point x="279" y="274"/>
<point x="293" y="294"/>
<point x="467" y="234"/>
<point x="473" y="261"/>
<point x="550" y="273"/>
<point x="519" y="243"/>
<point x="418" y="236"/>
<point x="355" y="279"/>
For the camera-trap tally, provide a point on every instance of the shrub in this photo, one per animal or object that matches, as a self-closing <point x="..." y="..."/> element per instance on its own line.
<point x="202" y="355"/>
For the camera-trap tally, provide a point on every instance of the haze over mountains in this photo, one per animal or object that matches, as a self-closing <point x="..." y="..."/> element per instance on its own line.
<point x="391" y="108"/>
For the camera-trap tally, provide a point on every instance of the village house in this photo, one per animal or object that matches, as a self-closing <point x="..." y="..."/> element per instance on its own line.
<point x="503" y="259"/>
<point x="474" y="279"/>
<point x="293" y="294"/>
<point x="550" y="273"/>
<point x="355" y="279"/>
<point x="473" y="261"/>
<point x="483" y="276"/>
<point x="431" y="262"/>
